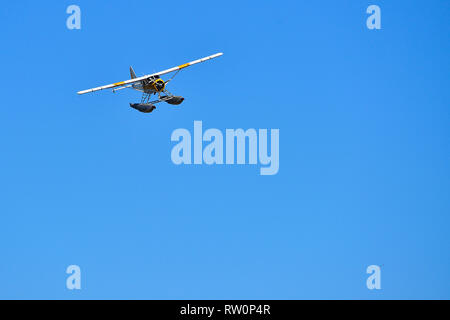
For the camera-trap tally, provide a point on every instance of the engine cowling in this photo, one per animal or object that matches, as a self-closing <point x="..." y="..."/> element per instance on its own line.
<point x="159" y="85"/>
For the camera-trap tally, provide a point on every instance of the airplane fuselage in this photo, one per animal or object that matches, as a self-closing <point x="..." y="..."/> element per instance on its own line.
<point x="151" y="86"/>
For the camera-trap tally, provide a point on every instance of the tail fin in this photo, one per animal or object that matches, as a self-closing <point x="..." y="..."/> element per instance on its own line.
<point x="133" y="75"/>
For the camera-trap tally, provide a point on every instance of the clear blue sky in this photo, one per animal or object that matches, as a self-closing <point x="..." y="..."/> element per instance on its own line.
<point x="364" y="151"/>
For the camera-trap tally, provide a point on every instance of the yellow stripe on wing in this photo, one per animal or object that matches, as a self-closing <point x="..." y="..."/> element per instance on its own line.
<point x="183" y="66"/>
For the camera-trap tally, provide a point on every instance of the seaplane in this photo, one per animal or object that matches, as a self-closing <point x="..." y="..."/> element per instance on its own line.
<point x="150" y="85"/>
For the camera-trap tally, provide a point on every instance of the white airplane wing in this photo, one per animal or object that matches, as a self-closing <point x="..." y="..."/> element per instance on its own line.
<point x="127" y="82"/>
